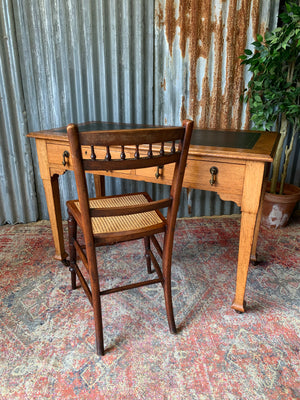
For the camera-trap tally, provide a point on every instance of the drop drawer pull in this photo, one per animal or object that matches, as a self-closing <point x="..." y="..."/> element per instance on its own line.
<point x="213" y="171"/>
<point x="158" y="174"/>
<point x="66" y="154"/>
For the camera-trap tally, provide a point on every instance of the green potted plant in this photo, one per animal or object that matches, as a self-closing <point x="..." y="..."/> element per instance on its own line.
<point x="273" y="94"/>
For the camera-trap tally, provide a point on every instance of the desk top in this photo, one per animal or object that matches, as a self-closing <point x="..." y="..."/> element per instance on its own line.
<point x="228" y="143"/>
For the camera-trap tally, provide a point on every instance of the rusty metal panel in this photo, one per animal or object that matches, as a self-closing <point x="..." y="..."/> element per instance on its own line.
<point x="198" y="73"/>
<point x="197" y="49"/>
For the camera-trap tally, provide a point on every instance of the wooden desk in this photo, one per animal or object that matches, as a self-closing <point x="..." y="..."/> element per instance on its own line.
<point x="241" y="159"/>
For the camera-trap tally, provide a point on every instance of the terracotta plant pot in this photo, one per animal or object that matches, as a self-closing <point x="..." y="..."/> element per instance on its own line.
<point x="277" y="208"/>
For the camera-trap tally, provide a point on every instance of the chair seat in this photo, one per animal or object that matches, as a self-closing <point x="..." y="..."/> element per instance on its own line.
<point x="115" y="224"/>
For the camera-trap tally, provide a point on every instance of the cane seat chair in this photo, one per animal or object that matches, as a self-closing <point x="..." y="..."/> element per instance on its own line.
<point x="112" y="219"/>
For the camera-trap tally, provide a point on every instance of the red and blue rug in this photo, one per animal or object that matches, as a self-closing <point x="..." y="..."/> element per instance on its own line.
<point x="47" y="346"/>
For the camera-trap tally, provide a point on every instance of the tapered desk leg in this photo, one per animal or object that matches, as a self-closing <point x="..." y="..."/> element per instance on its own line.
<point x="53" y="199"/>
<point x="253" y="256"/>
<point x="53" y="203"/>
<point x="250" y="206"/>
<point x="246" y="237"/>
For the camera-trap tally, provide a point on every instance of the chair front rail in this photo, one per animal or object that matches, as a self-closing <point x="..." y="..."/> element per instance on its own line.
<point x="128" y="210"/>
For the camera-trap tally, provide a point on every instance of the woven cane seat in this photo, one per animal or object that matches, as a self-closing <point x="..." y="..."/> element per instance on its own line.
<point x="122" y="223"/>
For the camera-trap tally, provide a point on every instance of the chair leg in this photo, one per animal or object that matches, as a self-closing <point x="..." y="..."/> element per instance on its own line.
<point x="169" y="304"/>
<point x="147" y="255"/>
<point x="96" y="302"/>
<point x="98" y="330"/>
<point x="72" y="230"/>
<point x="166" y="264"/>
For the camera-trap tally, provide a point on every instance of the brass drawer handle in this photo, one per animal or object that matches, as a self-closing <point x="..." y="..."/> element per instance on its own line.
<point x="66" y="154"/>
<point x="213" y="171"/>
<point x="158" y="174"/>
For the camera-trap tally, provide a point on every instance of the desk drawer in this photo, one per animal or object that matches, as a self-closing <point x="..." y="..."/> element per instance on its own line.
<point x="150" y="174"/>
<point x="229" y="177"/>
<point x="56" y="155"/>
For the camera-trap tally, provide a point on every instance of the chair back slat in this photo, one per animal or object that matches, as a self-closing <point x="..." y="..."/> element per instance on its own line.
<point x="131" y="137"/>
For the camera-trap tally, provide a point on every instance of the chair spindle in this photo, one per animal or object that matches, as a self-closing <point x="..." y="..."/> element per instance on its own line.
<point x="93" y="155"/>
<point x="123" y="155"/>
<point x="162" y="151"/>
<point x="173" y="147"/>
<point x="108" y="155"/>
<point x="137" y="154"/>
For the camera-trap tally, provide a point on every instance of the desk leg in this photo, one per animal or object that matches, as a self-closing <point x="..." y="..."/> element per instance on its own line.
<point x="99" y="181"/>
<point x="250" y="206"/>
<point x="253" y="257"/>
<point x="52" y="197"/>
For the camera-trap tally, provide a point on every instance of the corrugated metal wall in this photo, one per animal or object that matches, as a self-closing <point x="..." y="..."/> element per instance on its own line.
<point x="17" y="183"/>
<point x="77" y="61"/>
<point x="148" y="61"/>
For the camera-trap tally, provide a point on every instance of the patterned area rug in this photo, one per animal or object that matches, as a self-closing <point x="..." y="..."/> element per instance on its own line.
<point x="47" y="333"/>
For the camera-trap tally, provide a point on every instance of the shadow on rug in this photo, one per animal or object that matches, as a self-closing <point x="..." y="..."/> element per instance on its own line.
<point x="47" y="331"/>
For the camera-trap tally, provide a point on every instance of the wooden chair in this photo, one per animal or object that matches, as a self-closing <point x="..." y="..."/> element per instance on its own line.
<point x="113" y="219"/>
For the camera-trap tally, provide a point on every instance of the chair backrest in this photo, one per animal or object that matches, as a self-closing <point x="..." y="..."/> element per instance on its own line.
<point x="129" y="149"/>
